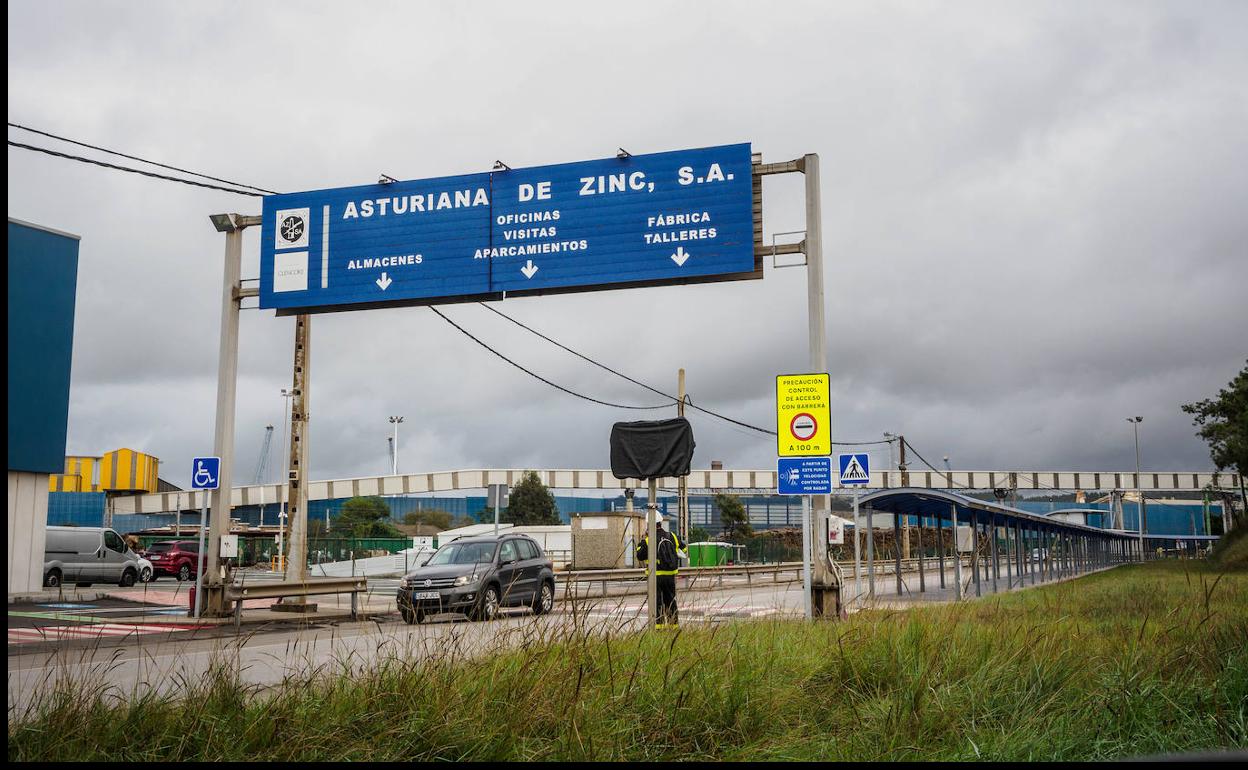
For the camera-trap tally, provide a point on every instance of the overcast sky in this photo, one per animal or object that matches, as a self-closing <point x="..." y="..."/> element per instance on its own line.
<point x="1034" y="219"/>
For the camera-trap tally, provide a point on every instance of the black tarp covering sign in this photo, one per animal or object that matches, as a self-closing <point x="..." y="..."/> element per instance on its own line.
<point x="651" y="449"/>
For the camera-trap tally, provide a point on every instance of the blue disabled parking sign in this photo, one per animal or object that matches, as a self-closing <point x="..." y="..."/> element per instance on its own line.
<point x="855" y="470"/>
<point x="804" y="475"/>
<point x="205" y="472"/>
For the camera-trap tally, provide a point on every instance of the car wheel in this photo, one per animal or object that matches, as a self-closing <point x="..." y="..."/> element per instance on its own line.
<point x="128" y="578"/>
<point x="488" y="608"/>
<point x="52" y="579"/>
<point x="145" y="576"/>
<point x="545" y="600"/>
<point x="184" y="572"/>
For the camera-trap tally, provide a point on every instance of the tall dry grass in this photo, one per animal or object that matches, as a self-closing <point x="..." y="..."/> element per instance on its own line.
<point x="1136" y="661"/>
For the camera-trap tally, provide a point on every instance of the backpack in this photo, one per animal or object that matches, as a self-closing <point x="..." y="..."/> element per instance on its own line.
<point x="667" y="558"/>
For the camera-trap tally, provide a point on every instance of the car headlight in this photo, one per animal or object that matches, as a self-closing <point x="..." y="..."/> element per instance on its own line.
<point x="464" y="580"/>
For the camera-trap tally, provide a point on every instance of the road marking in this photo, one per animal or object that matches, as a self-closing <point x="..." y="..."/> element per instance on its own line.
<point x="91" y="631"/>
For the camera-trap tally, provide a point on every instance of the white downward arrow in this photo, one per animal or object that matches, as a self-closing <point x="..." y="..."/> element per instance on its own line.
<point x="529" y="269"/>
<point x="384" y="282"/>
<point x="680" y="256"/>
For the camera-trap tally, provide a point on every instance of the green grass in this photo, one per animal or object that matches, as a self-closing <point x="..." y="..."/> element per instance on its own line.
<point x="1136" y="661"/>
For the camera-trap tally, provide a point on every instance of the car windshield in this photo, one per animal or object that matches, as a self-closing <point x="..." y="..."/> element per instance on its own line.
<point x="158" y="547"/>
<point x="463" y="553"/>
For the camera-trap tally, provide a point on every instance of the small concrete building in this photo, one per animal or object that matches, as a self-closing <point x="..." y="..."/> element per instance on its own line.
<point x="606" y="540"/>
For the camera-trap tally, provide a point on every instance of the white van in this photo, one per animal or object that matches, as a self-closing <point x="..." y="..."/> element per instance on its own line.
<point x="86" y="555"/>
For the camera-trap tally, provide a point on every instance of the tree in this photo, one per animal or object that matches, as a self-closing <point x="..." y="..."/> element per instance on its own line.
<point x="1223" y="424"/>
<point x="530" y="502"/>
<point x="434" y="517"/>
<point x="698" y="535"/>
<point x="733" y="516"/>
<point x="366" y="517"/>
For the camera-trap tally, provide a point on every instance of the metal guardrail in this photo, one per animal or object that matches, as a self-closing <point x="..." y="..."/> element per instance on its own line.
<point x="240" y="592"/>
<point x="717" y="574"/>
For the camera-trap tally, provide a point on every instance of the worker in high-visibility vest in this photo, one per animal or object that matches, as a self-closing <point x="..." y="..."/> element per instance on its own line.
<point x="667" y="566"/>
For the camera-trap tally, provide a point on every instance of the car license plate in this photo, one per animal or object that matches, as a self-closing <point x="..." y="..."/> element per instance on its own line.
<point x="426" y="595"/>
<point x="154" y="558"/>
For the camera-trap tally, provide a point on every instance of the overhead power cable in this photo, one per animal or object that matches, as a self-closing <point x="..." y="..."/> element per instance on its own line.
<point x="650" y="388"/>
<point x="533" y="374"/>
<point x="943" y="474"/>
<point x="81" y="159"/>
<point x="135" y="157"/>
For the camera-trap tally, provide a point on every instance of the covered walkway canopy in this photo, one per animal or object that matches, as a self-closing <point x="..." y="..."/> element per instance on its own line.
<point x="933" y="504"/>
<point x="995" y="541"/>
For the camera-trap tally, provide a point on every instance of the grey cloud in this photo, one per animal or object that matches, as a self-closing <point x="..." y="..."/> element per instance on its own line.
<point x="1032" y="218"/>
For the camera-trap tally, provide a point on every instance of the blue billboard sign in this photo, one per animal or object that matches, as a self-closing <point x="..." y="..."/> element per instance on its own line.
<point x="673" y="217"/>
<point x="804" y="475"/>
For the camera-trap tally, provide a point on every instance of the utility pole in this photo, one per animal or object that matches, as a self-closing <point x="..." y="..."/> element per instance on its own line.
<point x="297" y="543"/>
<point x="283" y="489"/>
<point x="682" y="486"/>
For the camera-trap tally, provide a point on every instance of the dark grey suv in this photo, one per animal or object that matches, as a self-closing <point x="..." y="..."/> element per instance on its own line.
<point x="478" y="576"/>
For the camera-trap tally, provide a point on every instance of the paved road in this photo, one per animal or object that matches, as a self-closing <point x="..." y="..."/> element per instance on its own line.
<point x="161" y="662"/>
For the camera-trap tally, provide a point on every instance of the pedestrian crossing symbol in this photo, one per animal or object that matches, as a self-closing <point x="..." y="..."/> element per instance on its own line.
<point x="855" y="470"/>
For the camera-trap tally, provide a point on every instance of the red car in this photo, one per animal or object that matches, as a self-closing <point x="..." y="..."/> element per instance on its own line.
<point x="174" y="557"/>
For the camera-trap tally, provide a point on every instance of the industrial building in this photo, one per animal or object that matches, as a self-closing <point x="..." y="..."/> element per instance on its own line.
<point x="43" y="280"/>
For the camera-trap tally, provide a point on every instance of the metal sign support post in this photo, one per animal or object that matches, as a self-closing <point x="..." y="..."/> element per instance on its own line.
<point x="652" y="553"/>
<point x="199" y="558"/>
<point x="227" y="387"/>
<point x="824" y="592"/>
<point x="806" y="596"/>
<point x="857" y="550"/>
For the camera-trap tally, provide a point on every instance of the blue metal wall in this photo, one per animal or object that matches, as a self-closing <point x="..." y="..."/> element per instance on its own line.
<point x="86" y="509"/>
<point x="1163" y="518"/>
<point x="43" y="276"/>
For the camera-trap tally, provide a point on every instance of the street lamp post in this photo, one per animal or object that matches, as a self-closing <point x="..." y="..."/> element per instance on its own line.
<point x="394" y="467"/>
<point x="1135" y="421"/>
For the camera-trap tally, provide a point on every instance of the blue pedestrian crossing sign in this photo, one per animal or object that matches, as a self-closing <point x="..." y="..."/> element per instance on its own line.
<point x="804" y="475"/>
<point x="205" y="472"/>
<point x="855" y="470"/>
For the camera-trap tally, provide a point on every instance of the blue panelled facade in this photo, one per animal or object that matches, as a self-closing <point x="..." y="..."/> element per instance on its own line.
<point x="765" y="511"/>
<point x="43" y="277"/>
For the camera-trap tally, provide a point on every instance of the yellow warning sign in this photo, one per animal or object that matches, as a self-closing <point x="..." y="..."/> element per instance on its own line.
<point x="803" y="415"/>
